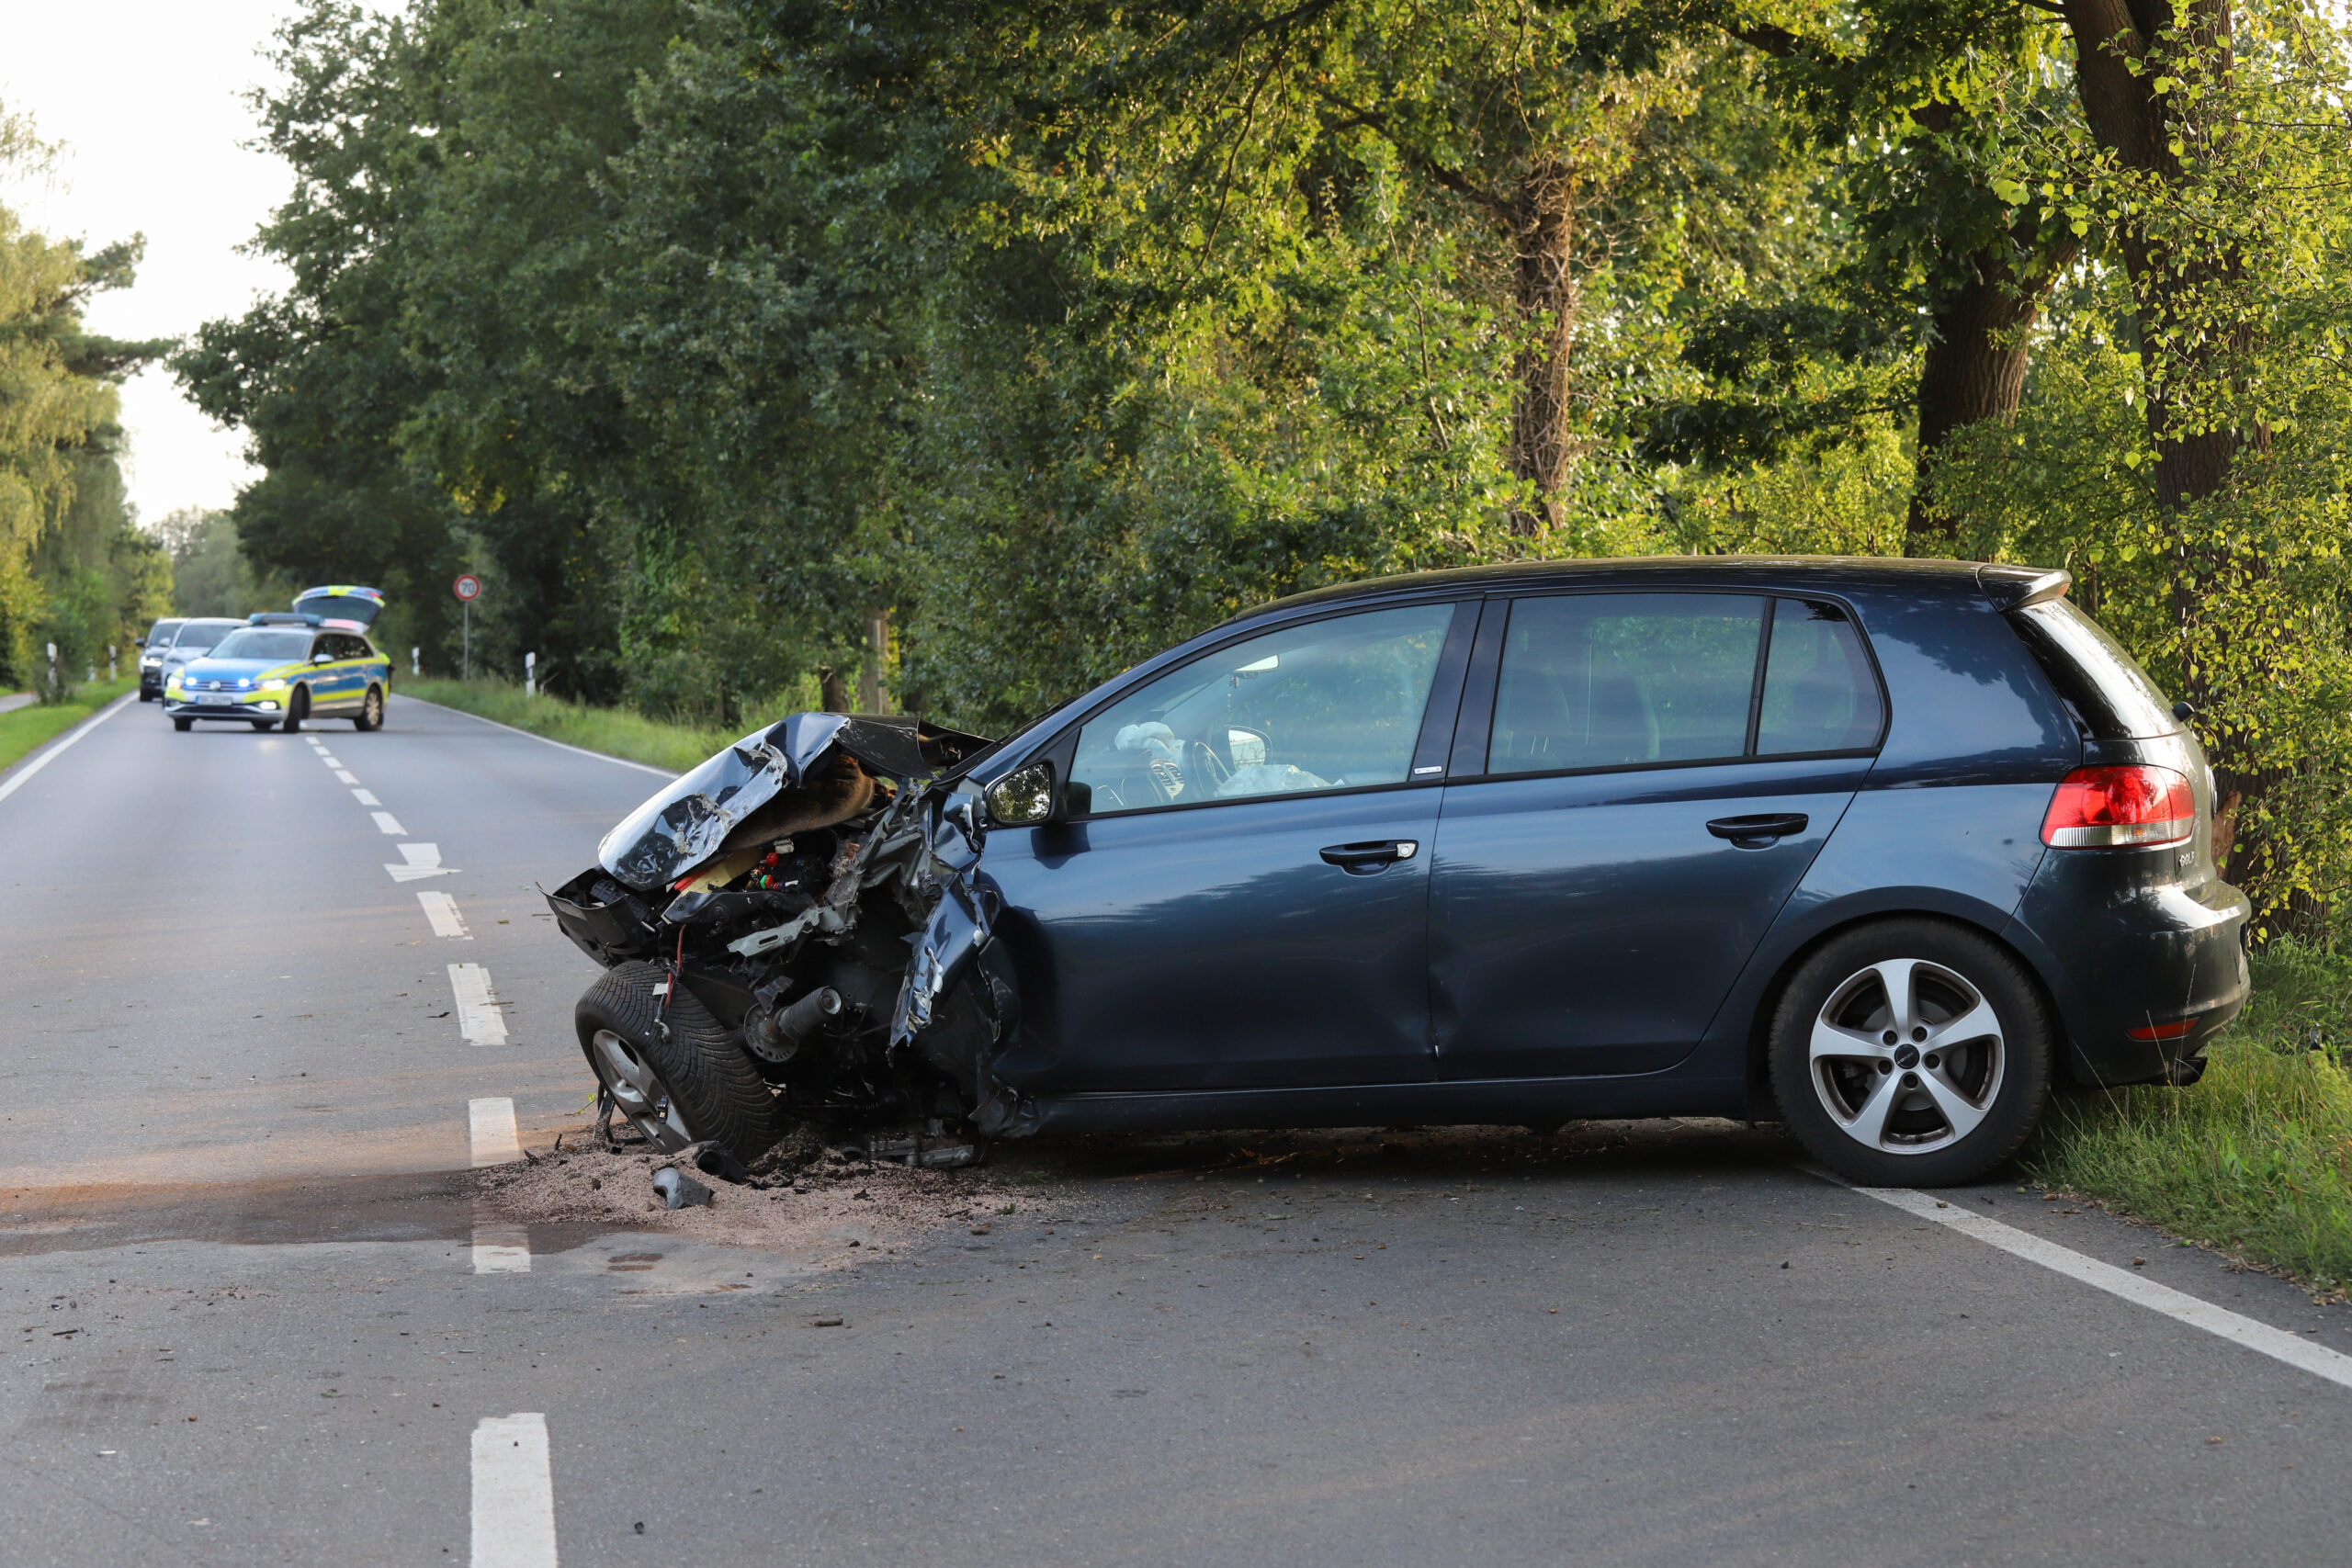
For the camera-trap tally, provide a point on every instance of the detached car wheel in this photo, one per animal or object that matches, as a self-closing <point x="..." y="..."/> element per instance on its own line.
<point x="691" y="1085"/>
<point x="1911" y="1054"/>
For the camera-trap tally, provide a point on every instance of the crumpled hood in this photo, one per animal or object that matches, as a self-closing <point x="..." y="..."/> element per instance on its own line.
<point x="687" y="823"/>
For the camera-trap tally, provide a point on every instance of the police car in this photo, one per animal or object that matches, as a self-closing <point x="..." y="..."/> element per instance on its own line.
<point x="281" y="669"/>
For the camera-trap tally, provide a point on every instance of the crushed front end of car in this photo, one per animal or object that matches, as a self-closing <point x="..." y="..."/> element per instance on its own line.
<point x="797" y="933"/>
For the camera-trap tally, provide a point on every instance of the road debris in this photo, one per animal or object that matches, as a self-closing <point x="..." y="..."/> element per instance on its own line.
<point x="677" y="1190"/>
<point x="813" y="1210"/>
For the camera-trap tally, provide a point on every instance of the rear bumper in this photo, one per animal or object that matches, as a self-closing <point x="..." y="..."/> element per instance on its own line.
<point x="2122" y="951"/>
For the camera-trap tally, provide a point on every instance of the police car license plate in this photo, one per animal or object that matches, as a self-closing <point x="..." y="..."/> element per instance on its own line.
<point x="214" y="699"/>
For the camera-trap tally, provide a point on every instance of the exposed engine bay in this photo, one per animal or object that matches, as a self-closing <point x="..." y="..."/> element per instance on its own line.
<point x="796" y="932"/>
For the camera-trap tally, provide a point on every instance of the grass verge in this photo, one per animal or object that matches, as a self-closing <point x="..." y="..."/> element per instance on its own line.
<point x="2257" y="1158"/>
<point x="617" y="733"/>
<point x="28" y="726"/>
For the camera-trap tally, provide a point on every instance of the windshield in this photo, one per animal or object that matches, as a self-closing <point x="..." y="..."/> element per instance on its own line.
<point x="258" y="642"/>
<point x="197" y="636"/>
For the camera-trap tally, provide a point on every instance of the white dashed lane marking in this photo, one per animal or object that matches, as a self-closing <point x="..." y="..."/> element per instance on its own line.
<point x="498" y="1247"/>
<point x="329" y="761"/>
<point x="2137" y="1288"/>
<point x="347" y="776"/>
<point x="480" y="1019"/>
<point x="441" y="913"/>
<point x="421" y="861"/>
<point x="514" y="1493"/>
<point x="363" y="796"/>
<point x="389" y="824"/>
<point x="490" y="1132"/>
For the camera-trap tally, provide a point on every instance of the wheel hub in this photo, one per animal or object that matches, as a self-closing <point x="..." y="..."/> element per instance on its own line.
<point x="1907" y="1056"/>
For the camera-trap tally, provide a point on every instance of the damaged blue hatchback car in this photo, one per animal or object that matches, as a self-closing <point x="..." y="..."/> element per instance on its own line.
<point x="1882" y="849"/>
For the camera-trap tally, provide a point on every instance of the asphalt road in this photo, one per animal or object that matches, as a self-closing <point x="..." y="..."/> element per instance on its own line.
<point x="248" y="1327"/>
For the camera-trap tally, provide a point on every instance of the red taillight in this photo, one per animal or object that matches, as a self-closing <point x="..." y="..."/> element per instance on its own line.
<point x="2113" y="807"/>
<point x="2176" y="1030"/>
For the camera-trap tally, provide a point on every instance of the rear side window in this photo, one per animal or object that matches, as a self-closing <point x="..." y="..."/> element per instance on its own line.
<point x="1819" y="692"/>
<point x="2111" y="696"/>
<point x="1617" y="679"/>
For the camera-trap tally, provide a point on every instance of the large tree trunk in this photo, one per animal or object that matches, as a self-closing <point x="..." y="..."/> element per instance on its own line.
<point x="1542" y="220"/>
<point x="2128" y="118"/>
<point x="1974" y="370"/>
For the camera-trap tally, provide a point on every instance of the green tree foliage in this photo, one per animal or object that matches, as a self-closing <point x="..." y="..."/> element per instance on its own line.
<point x="738" y="342"/>
<point x="74" y="574"/>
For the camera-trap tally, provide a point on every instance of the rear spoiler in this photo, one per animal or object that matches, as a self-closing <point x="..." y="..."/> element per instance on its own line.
<point x="2015" y="587"/>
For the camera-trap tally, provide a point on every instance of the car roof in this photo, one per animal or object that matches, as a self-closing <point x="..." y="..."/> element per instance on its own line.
<point x="2005" y="586"/>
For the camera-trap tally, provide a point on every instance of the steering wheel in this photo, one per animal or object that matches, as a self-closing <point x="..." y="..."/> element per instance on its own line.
<point x="1207" y="764"/>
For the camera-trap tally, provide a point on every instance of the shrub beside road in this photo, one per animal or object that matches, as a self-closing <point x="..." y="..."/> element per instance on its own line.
<point x="2256" y="1158"/>
<point x="617" y="733"/>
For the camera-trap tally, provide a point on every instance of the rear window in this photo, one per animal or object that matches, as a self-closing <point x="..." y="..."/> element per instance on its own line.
<point x="2111" y="696"/>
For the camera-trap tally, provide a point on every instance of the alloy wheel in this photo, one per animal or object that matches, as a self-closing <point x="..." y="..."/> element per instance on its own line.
<point x="637" y="1091"/>
<point x="1907" y="1056"/>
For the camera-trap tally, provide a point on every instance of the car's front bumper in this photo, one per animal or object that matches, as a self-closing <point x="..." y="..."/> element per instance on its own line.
<point x="244" y="705"/>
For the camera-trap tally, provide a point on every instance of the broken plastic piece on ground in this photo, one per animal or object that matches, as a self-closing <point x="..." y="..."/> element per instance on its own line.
<point x="927" y="1152"/>
<point x="714" y="1158"/>
<point x="677" y="1190"/>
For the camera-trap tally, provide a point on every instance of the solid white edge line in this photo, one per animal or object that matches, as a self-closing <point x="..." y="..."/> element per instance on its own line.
<point x="478" y="1017"/>
<point x="491" y="1137"/>
<point x="25" y="768"/>
<point x="514" y="1493"/>
<point x="2137" y="1288"/>
<point x="559" y="745"/>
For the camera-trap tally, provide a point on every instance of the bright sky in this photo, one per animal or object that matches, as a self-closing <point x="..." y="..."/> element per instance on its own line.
<point x="147" y="94"/>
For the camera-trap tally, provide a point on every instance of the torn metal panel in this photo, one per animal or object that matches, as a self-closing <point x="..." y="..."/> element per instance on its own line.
<point x="833" y="762"/>
<point x="821" y="896"/>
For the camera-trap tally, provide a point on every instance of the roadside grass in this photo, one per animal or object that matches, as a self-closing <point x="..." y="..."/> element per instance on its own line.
<point x="617" y="733"/>
<point x="28" y="726"/>
<point x="2257" y="1158"/>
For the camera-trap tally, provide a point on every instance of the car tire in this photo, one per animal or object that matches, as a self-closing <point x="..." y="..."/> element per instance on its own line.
<point x="146" y="696"/>
<point x="371" y="711"/>
<point x="693" y="1084"/>
<point x="264" y="726"/>
<point x="298" y="709"/>
<point x="183" y="725"/>
<point x="1911" y="1053"/>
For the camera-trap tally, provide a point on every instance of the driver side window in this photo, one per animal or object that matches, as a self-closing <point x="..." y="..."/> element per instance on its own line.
<point x="1330" y="705"/>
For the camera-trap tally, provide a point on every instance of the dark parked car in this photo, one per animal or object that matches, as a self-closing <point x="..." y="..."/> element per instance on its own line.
<point x="1879" y="848"/>
<point x="151" y="656"/>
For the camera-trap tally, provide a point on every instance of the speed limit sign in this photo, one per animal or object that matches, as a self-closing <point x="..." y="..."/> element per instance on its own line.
<point x="468" y="588"/>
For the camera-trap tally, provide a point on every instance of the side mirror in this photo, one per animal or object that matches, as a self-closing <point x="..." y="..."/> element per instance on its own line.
<point x="1023" y="798"/>
<point x="323" y="659"/>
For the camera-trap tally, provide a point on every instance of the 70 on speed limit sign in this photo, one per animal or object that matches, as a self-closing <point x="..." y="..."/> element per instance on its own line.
<point x="468" y="588"/>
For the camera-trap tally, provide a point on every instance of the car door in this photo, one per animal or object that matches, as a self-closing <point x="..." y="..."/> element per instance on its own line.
<point x="324" y="674"/>
<point x="1241" y="899"/>
<point x="1639" y="782"/>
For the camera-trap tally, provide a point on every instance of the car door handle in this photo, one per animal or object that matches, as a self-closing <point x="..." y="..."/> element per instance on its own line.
<point x="1759" y="832"/>
<point x="1358" y="858"/>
